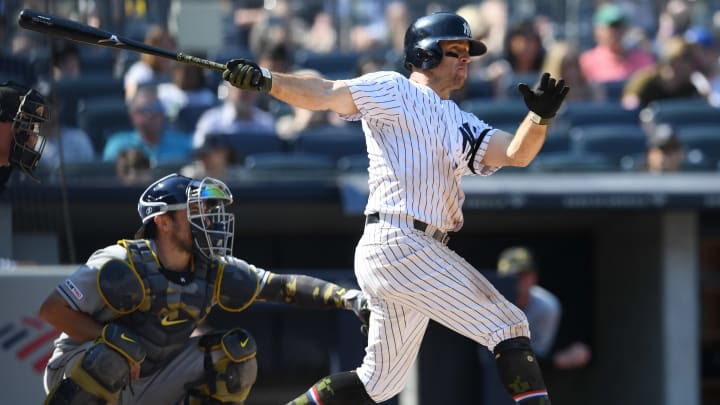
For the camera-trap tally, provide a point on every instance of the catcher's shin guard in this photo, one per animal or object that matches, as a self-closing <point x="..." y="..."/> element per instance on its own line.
<point x="230" y="368"/>
<point x="520" y="373"/>
<point x="338" y="389"/>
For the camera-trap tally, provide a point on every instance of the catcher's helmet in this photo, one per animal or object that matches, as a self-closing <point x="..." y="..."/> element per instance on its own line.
<point x="26" y="109"/>
<point x="422" y="47"/>
<point x="205" y="201"/>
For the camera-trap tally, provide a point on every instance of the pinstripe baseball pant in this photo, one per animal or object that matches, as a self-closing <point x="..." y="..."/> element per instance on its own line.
<point x="411" y="278"/>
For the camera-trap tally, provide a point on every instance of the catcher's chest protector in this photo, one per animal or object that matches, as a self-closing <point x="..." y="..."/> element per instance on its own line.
<point x="170" y="310"/>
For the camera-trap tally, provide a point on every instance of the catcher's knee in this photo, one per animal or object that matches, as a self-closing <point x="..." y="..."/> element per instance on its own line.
<point x="68" y="392"/>
<point x="102" y="371"/>
<point x="230" y="368"/>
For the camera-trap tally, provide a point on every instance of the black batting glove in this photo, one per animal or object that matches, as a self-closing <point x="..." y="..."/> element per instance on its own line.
<point x="247" y="75"/>
<point x="547" y="98"/>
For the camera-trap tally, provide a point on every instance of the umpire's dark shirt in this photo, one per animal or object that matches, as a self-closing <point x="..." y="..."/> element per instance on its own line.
<point x="4" y="177"/>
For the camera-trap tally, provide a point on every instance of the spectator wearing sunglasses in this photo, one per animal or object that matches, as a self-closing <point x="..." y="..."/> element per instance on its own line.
<point x="151" y="133"/>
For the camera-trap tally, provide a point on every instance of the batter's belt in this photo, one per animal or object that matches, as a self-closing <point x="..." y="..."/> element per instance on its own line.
<point x="421" y="226"/>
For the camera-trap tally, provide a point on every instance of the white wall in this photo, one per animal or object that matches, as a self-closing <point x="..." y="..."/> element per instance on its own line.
<point x="25" y="340"/>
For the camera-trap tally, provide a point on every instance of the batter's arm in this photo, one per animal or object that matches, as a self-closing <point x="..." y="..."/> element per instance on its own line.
<point x="313" y="93"/>
<point x="300" y="90"/>
<point x="56" y="311"/>
<point x="504" y="149"/>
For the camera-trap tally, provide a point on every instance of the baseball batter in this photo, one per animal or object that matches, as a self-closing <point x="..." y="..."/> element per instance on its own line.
<point x="127" y="315"/>
<point x="420" y="144"/>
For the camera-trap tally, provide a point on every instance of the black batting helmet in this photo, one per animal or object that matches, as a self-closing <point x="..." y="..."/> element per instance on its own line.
<point x="422" y="47"/>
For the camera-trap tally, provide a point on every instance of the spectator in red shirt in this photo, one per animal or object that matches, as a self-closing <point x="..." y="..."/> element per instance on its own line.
<point x="609" y="60"/>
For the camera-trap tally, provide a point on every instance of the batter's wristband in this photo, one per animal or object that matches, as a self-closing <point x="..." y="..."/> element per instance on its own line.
<point x="535" y="118"/>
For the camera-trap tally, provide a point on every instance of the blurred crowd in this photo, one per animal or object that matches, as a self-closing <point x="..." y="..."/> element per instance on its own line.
<point x="644" y="78"/>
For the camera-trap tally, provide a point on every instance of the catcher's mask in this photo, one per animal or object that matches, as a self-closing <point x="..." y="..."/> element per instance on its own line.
<point x="26" y="109"/>
<point x="205" y="200"/>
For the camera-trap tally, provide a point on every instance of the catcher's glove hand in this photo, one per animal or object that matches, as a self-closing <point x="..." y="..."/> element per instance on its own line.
<point x="356" y="301"/>
<point x="247" y="75"/>
<point x="547" y="98"/>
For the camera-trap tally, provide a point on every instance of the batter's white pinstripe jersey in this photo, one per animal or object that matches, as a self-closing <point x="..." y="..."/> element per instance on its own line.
<point x="419" y="147"/>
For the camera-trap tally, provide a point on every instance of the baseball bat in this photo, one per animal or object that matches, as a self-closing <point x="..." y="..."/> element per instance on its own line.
<point x="64" y="28"/>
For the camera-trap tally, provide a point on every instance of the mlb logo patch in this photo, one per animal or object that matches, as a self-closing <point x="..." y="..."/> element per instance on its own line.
<point x="73" y="288"/>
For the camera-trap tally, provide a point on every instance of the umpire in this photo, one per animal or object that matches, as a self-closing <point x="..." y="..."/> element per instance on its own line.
<point x="22" y="110"/>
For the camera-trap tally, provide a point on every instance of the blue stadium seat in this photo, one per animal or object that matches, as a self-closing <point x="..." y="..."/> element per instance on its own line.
<point x="248" y="143"/>
<point x="353" y="163"/>
<point x="503" y="114"/>
<point x="333" y="65"/>
<point x="572" y="162"/>
<point x="613" y="89"/>
<point x="610" y="140"/>
<point x="70" y="92"/>
<point x="187" y="118"/>
<point x="677" y="112"/>
<point x="556" y="141"/>
<point x="587" y="113"/>
<point x="701" y="143"/>
<point x="89" y="170"/>
<point x="332" y="141"/>
<point x="289" y="162"/>
<point x="99" y="117"/>
<point x="478" y="88"/>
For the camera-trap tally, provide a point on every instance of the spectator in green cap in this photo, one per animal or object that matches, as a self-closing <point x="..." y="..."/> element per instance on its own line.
<point x="542" y="308"/>
<point x="609" y="60"/>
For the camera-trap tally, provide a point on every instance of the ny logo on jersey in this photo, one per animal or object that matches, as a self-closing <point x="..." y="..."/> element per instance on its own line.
<point x="467" y="133"/>
<point x="471" y="144"/>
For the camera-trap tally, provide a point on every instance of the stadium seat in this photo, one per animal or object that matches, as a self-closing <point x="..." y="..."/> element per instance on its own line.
<point x="571" y="162"/>
<point x="478" y="88"/>
<point x="353" y="163"/>
<point x="681" y="111"/>
<point x="556" y="141"/>
<point x="504" y="114"/>
<point x="613" y="89"/>
<point x="71" y="92"/>
<point x="89" y="170"/>
<point x="332" y="65"/>
<point x="187" y="118"/>
<point x="99" y="117"/>
<point x="292" y="162"/>
<point x="332" y="141"/>
<point x="588" y="113"/>
<point x="612" y="141"/>
<point x="701" y="143"/>
<point x="249" y="143"/>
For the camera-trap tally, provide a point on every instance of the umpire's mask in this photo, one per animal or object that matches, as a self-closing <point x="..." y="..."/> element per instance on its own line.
<point x="26" y="109"/>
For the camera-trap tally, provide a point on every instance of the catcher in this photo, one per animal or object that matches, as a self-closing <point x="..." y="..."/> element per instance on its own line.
<point x="127" y="315"/>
